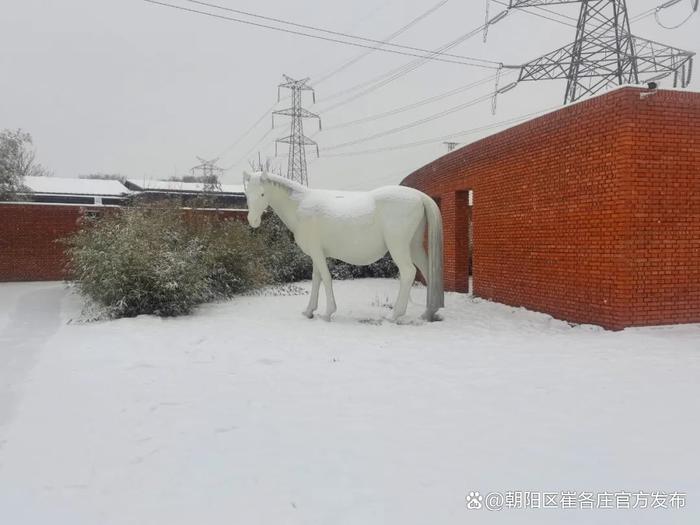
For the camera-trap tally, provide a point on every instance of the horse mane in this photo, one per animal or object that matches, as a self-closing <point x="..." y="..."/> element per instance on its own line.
<point x="289" y="186"/>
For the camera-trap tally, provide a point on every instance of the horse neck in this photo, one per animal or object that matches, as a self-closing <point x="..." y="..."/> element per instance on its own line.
<point x="283" y="205"/>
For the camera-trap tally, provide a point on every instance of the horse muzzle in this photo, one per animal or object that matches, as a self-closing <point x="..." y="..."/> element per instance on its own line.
<point x="254" y="221"/>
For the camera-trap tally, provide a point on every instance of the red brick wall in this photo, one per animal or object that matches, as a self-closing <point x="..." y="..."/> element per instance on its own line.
<point x="29" y="235"/>
<point x="663" y="247"/>
<point x="590" y="213"/>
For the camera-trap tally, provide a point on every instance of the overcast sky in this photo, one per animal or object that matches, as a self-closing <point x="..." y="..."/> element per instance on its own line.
<point x="123" y="86"/>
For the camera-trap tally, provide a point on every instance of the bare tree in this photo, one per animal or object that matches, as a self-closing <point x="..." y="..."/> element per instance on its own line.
<point x="17" y="160"/>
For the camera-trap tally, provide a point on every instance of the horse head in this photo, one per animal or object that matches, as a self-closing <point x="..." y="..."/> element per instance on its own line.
<point x="253" y="183"/>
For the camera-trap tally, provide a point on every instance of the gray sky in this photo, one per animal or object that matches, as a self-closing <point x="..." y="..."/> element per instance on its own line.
<point x="132" y="88"/>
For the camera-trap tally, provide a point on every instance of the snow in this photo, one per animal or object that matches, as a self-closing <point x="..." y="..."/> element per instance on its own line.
<point x="357" y="207"/>
<point x="246" y="412"/>
<point x="67" y="186"/>
<point x="168" y="185"/>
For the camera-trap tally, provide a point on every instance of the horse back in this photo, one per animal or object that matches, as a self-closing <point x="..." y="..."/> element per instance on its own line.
<point x="338" y="206"/>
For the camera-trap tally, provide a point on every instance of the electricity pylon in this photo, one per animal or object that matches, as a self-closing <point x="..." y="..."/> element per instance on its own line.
<point x="296" y="167"/>
<point x="605" y="52"/>
<point x="209" y="173"/>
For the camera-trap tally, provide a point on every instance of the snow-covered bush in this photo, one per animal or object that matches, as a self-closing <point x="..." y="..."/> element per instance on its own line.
<point x="384" y="267"/>
<point x="160" y="260"/>
<point x="233" y="256"/>
<point x="283" y="258"/>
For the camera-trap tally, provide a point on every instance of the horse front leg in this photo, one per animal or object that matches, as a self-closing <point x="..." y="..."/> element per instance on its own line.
<point x="313" y="300"/>
<point x="322" y="267"/>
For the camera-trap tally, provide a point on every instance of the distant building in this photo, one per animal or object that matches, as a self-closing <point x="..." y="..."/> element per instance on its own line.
<point x="99" y="192"/>
<point x="56" y="190"/>
<point x="224" y="196"/>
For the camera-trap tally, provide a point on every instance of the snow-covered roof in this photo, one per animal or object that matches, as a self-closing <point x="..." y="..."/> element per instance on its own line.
<point x="66" y="186"/>
<point x="170" y="185"/>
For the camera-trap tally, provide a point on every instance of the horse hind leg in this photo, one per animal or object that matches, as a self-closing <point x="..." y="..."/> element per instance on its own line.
<point x="407" y="274"/>
<point x="419" y="257"/>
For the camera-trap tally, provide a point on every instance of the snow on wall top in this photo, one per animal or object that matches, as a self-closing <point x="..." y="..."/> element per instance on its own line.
<point x="60" y="185"/>
<point x="170" y="185"/>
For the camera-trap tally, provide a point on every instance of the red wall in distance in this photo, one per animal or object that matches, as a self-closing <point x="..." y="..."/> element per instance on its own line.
<point x="30" y="234"/>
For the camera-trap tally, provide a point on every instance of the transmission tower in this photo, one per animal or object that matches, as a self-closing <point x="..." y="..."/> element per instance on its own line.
<point x="605" y="52"/>
<point x="207" y="169"/>
<point x="209" y="173"/>
<point x="296" y="167"/>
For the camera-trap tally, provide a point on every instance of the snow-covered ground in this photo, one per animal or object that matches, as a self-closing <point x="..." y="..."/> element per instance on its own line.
<point x="248" y="413"/>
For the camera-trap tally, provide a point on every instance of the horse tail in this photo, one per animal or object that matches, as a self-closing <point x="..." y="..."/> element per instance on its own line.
<point x="436" y="289"/>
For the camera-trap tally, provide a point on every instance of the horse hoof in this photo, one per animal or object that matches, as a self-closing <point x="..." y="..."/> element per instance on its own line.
<point x="431" y="317"/>
<point x="308" y="315"/>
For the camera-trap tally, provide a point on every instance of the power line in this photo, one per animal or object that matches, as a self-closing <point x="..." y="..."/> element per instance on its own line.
<point x="407" y="67"/>
<point x="384" y="179"/>
<point x="694" y="7"/>
<point x="644" y="14"/>
<point x="413" y="124"/>
<point x="251" y="150"/>
<point x="249" y="130"/>
<point x="389" y="38"/>
<point x="386" y="78"/>
<point x="550" y="11"/>
<point x="440" y="138"/>
<point x="464" y="61"/>
<point x="539" y="15"/>
<point x="413" y="105"/>
<point x="331" y="32"/>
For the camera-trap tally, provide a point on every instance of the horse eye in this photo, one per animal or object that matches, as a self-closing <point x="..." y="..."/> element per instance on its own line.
<point x="262" y="194"/>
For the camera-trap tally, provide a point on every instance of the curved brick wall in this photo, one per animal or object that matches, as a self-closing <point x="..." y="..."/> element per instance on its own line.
<point x="590" y="213"/>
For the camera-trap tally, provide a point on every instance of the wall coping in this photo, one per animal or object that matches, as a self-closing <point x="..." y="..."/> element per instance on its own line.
<point x="545" y="113"/>
<point x="71" y="205"/>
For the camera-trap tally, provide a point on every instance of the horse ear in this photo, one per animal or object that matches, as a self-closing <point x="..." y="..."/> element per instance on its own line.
<point x="246" y="178"/>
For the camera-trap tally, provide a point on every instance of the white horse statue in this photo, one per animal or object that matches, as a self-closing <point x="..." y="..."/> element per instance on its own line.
<point x="358" y="228"/>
